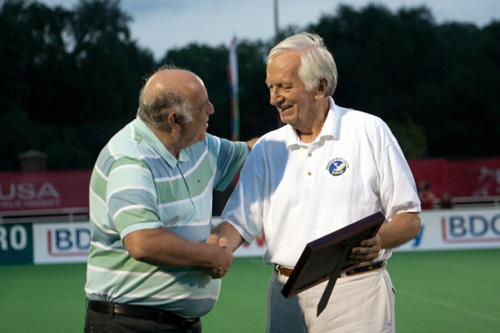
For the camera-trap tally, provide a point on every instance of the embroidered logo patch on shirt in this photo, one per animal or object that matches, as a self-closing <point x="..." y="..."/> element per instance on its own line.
<point x="337" y="166"/>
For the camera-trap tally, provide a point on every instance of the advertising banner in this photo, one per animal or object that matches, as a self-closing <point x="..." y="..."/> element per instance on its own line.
<point x="69" y="242"/>
<point x="40" y="190"/>
<point x="56" y="190"/>
<point x="457" y="229"/>
<point x="462" y="178"/>
<point x="16" y="243"/>
<point x="61" y="242"/>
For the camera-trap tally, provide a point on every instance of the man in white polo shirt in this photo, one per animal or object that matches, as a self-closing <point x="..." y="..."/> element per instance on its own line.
<point x="326" y="168"/>
<point x="151" y="209"/>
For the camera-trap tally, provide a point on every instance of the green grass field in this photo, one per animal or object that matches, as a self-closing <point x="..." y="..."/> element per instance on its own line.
<point x="445" y="291"/>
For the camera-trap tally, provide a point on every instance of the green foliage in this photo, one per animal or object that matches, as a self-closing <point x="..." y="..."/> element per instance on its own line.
<point x="210" y="64"/>
<point x="18" y="134"/>
<point x="69" y="79"/>
<point x="411" y="137"/>
<point x="395" y="65"/>
<point x="65" y="70"/>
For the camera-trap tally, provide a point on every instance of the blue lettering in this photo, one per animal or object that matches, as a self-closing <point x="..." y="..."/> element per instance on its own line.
<point x="478" y="225"/>
<point x="63" y="241"/>
<point x="494" y="226"/>
<point x="83" y="239"/>
<point x="457" y="226"/>
<point x="417" y="239"/>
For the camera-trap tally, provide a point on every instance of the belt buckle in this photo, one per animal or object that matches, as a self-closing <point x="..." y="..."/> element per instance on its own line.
<point x="188" y="323"/>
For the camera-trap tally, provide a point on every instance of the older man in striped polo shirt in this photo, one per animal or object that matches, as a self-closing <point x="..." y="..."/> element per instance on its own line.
<point x="150" y="213"/>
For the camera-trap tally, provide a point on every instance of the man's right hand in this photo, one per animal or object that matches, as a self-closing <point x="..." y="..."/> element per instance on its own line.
<point x="223" y="257"/>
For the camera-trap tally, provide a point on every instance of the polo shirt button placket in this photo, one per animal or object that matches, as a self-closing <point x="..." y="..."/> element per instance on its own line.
<point x="309" y="166"/>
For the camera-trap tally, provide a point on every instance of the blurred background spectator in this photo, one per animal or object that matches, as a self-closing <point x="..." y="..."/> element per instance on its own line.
<point x="426" y="196"/>
<point x="446" y="200"/>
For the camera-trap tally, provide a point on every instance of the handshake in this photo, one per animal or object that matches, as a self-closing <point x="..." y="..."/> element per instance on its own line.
<point x="221" y="257"/>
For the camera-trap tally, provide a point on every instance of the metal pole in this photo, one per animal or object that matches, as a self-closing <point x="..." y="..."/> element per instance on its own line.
<point x="276" y="23"/>
<point x="279" y="123"/>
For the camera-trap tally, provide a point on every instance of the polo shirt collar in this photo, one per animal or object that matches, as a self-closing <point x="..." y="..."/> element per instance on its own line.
<point x="328" y="132"/>
<point x="150" y="137"/>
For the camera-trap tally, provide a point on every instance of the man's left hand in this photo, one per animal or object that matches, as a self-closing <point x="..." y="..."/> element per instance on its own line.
<point x="366" y="251"/>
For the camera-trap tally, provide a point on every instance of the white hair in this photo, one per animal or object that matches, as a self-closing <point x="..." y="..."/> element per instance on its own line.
<point x="316" y="60"/>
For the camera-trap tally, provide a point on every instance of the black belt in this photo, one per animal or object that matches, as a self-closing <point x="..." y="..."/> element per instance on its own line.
<point x="366" y="268"/>
<point x="358" y="270"/>
<point x="145" y="312"/>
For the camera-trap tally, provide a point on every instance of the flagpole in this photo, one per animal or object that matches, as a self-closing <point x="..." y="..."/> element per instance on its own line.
<point x="232" y="70"/>
<point x="276" y="23"/>
<point x="279" y="123"/>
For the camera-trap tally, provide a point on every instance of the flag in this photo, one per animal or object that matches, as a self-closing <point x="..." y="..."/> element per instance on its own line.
<point x="232" y="70"/>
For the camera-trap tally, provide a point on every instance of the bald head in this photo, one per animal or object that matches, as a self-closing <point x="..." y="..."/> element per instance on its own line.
<point x="178" y="80"/>
<point x="167" y="91"/>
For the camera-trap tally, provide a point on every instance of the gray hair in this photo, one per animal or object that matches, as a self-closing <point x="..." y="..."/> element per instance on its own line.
<point x="316" y="60"/>
<point x="155" y="110"/>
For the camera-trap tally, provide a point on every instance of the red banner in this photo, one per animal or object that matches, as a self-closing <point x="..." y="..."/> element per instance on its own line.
<point x="462" y="178"/>
<point x="44" y="190"/>
<point x="52" y="190"/>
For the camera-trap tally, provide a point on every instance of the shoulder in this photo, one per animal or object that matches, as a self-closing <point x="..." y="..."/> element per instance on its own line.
<point x="360" y="117"/>
<point x="360" y="121"/>
<point x="271" y="141"/>
<point x="217" y="146"/>
<point x="271" y="146"/>
<point x="122" y="146"/>
<point x="274" y="136"/>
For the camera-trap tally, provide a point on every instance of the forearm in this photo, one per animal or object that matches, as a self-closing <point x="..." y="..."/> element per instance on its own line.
<point x="402" y="228"/>
<point x="161" y="248"/>
<point x="251" y="143"/>
<point x="227" y="231"/>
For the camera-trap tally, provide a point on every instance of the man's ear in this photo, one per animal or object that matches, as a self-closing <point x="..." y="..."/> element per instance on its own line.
<point x="321" y="88"/>
<point x="173" y="121"/>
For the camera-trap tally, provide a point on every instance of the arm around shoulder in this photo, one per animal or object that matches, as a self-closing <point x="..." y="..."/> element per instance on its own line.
<point x="251" y="143"/>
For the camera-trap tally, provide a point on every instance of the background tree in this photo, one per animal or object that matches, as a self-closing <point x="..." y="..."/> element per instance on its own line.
<point x="69" y="79"/>
<point x="73" y="77"/>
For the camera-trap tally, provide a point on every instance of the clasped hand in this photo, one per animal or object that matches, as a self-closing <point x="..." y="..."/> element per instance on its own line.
<point x="223" y="257"/>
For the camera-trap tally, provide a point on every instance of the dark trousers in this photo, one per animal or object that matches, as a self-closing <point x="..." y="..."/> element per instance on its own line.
<point x="118" y="323"/>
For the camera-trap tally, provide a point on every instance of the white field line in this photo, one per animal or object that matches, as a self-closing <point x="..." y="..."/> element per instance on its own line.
<point x="451" y="306"/>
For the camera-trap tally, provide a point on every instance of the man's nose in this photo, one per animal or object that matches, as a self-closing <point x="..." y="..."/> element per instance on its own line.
<point x="210" y="109"/>
<point x="275" y="96"/>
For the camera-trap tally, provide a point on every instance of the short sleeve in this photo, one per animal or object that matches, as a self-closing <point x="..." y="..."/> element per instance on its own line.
<point x="244" y="209"/>
<point x="230" y="157"/>
<point x="397" y="186"/>
<point x="131" y="197"/>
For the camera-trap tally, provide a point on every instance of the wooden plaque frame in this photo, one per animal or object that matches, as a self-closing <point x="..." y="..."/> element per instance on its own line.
<point x="326" y="258"/>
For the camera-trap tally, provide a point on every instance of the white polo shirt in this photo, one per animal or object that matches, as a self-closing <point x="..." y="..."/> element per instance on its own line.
<point x="296" y="192"/>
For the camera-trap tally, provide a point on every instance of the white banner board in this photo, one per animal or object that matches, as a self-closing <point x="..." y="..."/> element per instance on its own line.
<point x="452" y="229"/>
<point x="61" y="242"/>
<point x="457" y="229"/>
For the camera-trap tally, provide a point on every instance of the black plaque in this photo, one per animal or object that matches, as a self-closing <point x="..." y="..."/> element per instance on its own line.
<point x="326" y="258"/>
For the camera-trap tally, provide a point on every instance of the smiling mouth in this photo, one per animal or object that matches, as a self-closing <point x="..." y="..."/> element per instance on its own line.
<point x="283" y="109"/>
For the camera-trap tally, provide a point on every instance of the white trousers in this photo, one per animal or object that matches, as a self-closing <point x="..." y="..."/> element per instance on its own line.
<point x="358" y="304"/>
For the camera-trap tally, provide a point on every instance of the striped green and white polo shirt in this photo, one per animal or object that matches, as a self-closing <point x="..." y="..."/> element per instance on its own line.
<point x="137" y="184"/>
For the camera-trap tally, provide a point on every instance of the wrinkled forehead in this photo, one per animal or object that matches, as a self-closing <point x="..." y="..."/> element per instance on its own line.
<point x="283" y="66"/>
